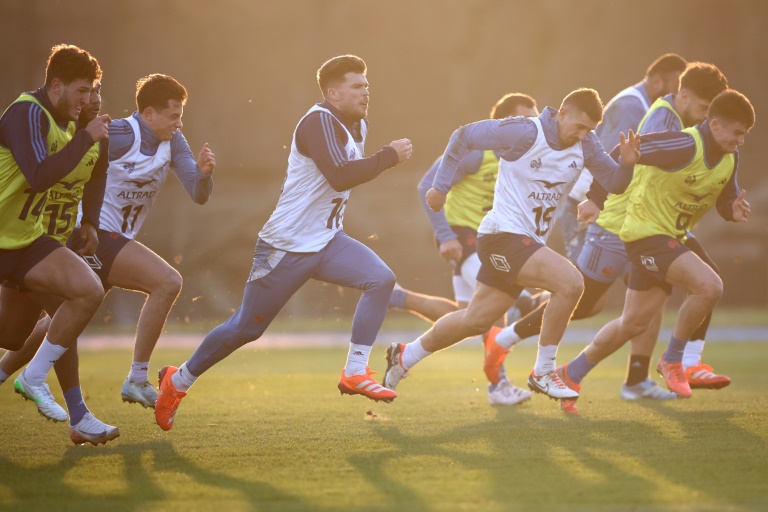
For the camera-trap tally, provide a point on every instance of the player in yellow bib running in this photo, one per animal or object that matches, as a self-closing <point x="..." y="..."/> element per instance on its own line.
<point x="40" y="147"/>
<point x="680" y="176"/>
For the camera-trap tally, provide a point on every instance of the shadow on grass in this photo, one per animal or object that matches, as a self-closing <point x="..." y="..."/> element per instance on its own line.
<point x="580" y="462"/>
<point x="45" y="487"/>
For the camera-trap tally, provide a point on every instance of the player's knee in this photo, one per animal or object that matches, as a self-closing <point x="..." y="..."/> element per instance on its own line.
<point x="571" y="287"/>
<point x="169" y="285"/>
<point x="632" y="326"/>
<point x="383" y="277"/>
<point x="713" y="290"/>
<point x="88" y="291"/>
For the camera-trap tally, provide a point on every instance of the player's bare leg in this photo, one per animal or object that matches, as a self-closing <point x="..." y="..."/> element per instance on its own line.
<point x="138" y="268"/>
<point x="60" y="274"/>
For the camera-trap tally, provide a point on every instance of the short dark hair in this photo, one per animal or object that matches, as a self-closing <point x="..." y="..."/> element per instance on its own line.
<point x="731" y="105"/>
<point x="157" y="90"/>
<point x="587" y="101"/>
<point x="704" y="80"/>
<point x="667" y="63"/>
<point x="508" y="104"/>
<point x="333" y="70"/>
<point x="68" y="63"/>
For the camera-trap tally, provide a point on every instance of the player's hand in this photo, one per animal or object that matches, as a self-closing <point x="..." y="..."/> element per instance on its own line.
<point x="97" y="128"/>
<point x="404" y="149"/>
<point x="435" y="199"/>
<point x="629" y="147"/>
<point x="206" y="160"/>
<point x="741" y="207"/>
<point x="587" y="211"/>
<point x="89" y="240"/>
<point x="451" y="251"/>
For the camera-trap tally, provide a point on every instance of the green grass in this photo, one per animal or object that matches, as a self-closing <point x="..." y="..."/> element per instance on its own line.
<point x="267" y="430"/>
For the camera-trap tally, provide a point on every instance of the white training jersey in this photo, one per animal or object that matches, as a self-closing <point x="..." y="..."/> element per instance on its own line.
<point x="309" y="212"/>
<point x="579" y="191"/>
<point x="133" y="184"/>
<point x="530" y="190"/>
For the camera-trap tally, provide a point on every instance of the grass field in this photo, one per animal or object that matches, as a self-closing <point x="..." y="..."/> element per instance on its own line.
<point x="267" y="430"/>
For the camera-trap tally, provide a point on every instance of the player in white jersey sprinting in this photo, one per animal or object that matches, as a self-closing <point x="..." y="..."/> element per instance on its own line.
<point x="541" y="158"/>
<point x="142" y="149"/>
<point x="304" y="239"/>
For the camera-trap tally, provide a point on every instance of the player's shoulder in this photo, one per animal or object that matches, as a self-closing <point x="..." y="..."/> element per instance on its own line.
<point x="120" y="127"/>
<point x="516" y="120"/>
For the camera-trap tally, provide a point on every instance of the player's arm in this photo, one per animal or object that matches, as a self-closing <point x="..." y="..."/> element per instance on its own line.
<point x="511" y="136"/>
<point x="730" y="195"/>
<point x="440" y="226"/>
<point x="93" y="191"/>
<point x="470" y="164"/>
<point x="614" y="176"/>
<point x="661" y="120"/>
<point x="198" y="184"/>
<point x="25" y="132"/>
<point x="321" y="138"/>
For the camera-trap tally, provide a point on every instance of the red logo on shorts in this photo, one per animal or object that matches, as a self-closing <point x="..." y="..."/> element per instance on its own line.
<point x="526" y="241"/>
<point x="607" y="271"/>
<point x="113" y="236"/>
<point x="260" y="319"/>
<point x="673" y="244"/>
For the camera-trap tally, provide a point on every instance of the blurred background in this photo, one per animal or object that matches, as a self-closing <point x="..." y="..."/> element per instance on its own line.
<point x="433" y="65"/>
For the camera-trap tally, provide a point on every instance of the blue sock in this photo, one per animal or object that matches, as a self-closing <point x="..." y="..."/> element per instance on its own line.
<point x="579" y="368"/>
<point x="397" y="299"/>
<point x="674" y="353"/>
<point x="75" y="405"/>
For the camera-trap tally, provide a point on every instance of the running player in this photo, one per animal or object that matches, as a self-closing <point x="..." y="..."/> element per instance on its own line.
<point x="304" y="238"/>
<point x="604" y="258"/>
<point x="541" y="159"/>
<point x="621" y="114"/>
<point x="680" y="176"/>
<point x="39" y="146"/>
<point x="142" y="147"/>
<point x="455" y="230"/>
<point x="86" y="183"/>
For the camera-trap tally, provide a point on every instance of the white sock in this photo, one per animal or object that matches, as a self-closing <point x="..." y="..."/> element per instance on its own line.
<point x="139" y="372"/>
<point x="357" y="359"/>
<point x="46" y="356"/>
<point x="413" y="353"/>
<point x="507" y="337"/>
<point x="692" y="353"/>
<point x="3" y="376"/>
<point x="183" y="379"/>
<point x="545" y="360"/>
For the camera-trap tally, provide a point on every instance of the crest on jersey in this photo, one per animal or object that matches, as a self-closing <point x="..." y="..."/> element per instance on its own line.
<point x="499" y="262"/>
<point x="649" y="263"/>
<point x="141" y="183"/>
<point x="690" y="180"/>
<point x="352" y="154"/>
<point x="69" y="185"/>
<point x="698" y="199"/>
<point x="536" y="164"/>
<point x="550" y="184"/>
<point x="129" y="166"/>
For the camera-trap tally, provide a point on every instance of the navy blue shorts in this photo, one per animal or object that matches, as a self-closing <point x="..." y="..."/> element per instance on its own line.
<point x="502" y="255"/>
<point x="650" y="258"/>
<point x="16" y="263"/>
<point x="110" y="244"/>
